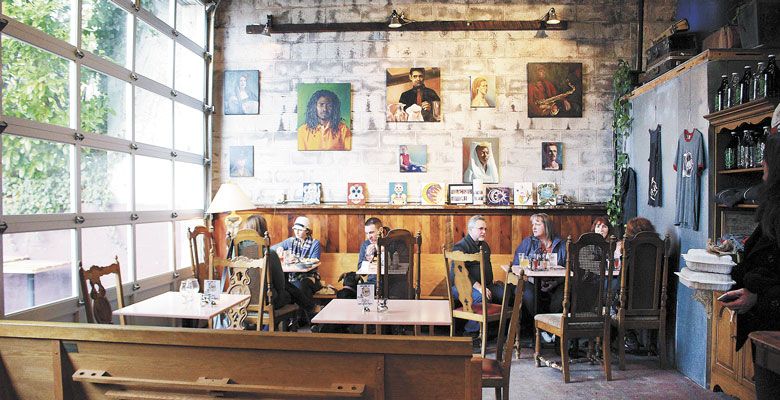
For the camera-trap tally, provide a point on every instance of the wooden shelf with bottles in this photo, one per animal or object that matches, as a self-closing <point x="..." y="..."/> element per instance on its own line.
<point x="731" y="371"/>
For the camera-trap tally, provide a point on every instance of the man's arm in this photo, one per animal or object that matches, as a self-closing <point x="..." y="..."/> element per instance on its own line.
<point x="316" y="249"/>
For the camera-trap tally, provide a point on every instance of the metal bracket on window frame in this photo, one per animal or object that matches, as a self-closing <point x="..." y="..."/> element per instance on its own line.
<point x="208" y="56"/>
<point x="3" y="125"/>
<point x="174" y="154"/>
<point x="208" y="108"/>
<point x="133" y="146"/>
<point x="3" y="227"/>
<point x="79" y="53"/>
<point x="174" y="93"/>
<point x="136" y="286"/>
<point x="134" y="76"/>
<point x="79" y="219"/>
<point x="134" y="217"/>
<point x="174" y="215"/>
<point x="78" y="136"/>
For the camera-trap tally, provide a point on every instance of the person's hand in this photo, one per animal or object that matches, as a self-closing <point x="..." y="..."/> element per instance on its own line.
<point x="566" y="105"/>
<point x="745" y="300"/>
<point x="426" y="106"/>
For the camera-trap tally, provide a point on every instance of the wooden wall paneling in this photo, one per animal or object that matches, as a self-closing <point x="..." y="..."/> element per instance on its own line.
<point x="31" y="362"/>
<point x="332" y="222"/>
<point x="278" y="228"/>
<point x="342" y="233"/>
<point x="354" y="231"/>
<point x="438" y="382"/>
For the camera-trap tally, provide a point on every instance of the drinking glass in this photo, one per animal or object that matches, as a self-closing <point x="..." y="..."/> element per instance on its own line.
<point x="183" y="290"/>
<point x="523" y="261"/>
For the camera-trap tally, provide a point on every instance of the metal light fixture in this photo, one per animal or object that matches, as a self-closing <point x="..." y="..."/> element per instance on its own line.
<point x="267" y="28"/>
<point x="551" y="18"/>
<point x="396" y="20"/>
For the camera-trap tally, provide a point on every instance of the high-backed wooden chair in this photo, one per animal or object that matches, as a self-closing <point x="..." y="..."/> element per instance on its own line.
<point x="495" y="372"/>
<point x="97" y="306"/>
<point x="484" y="312"/>
<point x="247" y="276"/>
<point x="643" y="290"/>
<point x="397" y="249"/>
<point x="584" y="300"/>
<point x="201" y="253"/>
<point x="250" y="244"/>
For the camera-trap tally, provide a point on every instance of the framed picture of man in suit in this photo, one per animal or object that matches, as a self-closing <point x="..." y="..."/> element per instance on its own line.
<point x="413" y="94"/>
<point x="554" y="90"/>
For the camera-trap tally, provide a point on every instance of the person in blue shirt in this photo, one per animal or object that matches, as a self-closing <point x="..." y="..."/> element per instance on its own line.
<point x="302" y="245"/>
<point x="544" y="240"/>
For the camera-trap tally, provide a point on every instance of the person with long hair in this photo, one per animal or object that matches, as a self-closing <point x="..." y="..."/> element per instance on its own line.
<point x="756" y="295"/>
<point x="279" y="295"/>
<point x="544" y="240"/>
<point x="479" y="90"/>
<point x="324" y="129"/>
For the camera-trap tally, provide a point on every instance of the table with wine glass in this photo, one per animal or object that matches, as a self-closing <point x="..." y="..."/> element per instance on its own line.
<point x="182" y="306"/>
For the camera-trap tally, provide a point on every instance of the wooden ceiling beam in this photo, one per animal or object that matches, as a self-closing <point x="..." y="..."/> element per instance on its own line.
<point x="417" y="26"/>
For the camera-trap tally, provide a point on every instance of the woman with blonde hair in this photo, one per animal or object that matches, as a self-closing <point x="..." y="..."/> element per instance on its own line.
<point x="479" y="90"/>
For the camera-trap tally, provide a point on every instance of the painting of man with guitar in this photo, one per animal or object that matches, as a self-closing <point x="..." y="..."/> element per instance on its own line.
<point x="554" y="90"/>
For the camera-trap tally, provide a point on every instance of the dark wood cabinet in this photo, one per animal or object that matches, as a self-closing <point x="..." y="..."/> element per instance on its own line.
<point x="732" y="371"/>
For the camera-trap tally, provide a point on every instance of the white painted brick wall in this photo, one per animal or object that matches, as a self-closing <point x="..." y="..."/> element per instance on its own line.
<point x="600" y="32"/>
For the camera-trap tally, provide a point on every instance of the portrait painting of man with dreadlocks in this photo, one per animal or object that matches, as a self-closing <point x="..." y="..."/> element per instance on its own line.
<point x="324" y="116"/>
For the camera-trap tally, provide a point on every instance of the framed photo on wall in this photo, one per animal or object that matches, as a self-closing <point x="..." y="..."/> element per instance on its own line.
<point x="552" y="156"/>
<point x="242" y="161"/>
<point x="324" y="121"/>
<point x="483" y="91"/>
<point x="554" y="90"/>
<point x="413" y="94"/>
<point x="413" y="158"/>
<point x="357" y="193"/>
<point x="240" y="92"/>
<point x="480" y="160"/>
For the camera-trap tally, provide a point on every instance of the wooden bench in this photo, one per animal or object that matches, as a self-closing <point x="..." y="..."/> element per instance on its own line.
<point x="51" y="360"/>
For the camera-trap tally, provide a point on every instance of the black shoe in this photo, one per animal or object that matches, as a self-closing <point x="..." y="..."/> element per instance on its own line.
<point x="631" y="343"/>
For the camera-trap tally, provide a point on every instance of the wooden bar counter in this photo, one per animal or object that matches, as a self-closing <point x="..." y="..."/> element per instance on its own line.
<point x="339" y="228"/>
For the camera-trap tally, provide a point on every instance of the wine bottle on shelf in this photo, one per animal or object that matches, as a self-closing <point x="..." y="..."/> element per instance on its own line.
<point x="720" y="95"/>
<point x="746" y="150"/>
<point x="744" y="85"/>
<point x="770" y="78"/>
<point x="755" y="89"/>
<point x="733" y="90"/>
<point x="741" y="151"/>
<point x="760" y="146"/>
<point x="730" y="156"/>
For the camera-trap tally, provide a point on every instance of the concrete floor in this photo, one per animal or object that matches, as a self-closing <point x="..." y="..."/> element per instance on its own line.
<point x="642" y="379"/>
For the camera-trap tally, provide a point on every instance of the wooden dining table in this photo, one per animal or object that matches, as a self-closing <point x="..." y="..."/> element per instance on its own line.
<point x="175" y="305"/>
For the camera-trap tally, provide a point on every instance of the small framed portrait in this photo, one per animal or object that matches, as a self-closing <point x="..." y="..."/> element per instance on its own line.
<point x="365" y="295"/>
<point x="461" y="193"/>
<point x="240" y="93"/>
<point x="552" y="156"/>
<point x="480" y="160"/>
<point x="242" y="161"/>
<point x="413" y="158"/>
<point x="413" y="94"/>
<point x="324" y="121"/>
<point x="554" y="90"/>
<point x="312" y="192"/>
<point x="483" y="91"/>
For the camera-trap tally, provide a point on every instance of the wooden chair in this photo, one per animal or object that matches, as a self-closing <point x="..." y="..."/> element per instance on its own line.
<point x="201" y="253"/>
<point x="243" y="281"/>
<point x="495" y="372"/>
<point x="398" y="247"/>
<point x="585" y="292"/>
<point x="97" y="306"/>
<point x="258" y="248"/>
<point x="484" y="312"/>
<point x="643" y="291"/>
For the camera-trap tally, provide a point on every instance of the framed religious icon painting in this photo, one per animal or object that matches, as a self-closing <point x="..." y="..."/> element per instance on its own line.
<point x="240" y="92"/>
<point x="461" y="193"/>
<point x="324" y="121"/>
<point x="554" y="90"/>
<point x="480" y="160"/>
<point x="413" y="94"/>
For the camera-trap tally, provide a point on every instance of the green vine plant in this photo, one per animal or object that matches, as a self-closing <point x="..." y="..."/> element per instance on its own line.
<point x="621" y="129"/>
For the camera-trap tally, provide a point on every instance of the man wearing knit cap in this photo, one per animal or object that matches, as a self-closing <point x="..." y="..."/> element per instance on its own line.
<point x="301" y="245"/>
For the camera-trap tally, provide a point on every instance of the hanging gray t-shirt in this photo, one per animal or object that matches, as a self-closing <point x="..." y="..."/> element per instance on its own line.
<point x="689" y="163"/>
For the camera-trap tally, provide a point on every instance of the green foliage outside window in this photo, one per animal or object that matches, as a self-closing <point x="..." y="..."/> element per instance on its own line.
<point x="36" y="87"/>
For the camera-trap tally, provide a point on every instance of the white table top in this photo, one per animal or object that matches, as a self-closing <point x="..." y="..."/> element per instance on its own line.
<point x="555" y="272"/>
<point x="172" y="305"/>
<point x="399" y="312"/>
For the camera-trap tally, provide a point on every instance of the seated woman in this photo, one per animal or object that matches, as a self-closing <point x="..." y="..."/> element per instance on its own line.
<point x="279" y="294"/>
<point x="301" y="246"/>
<point x="544" y="240"/>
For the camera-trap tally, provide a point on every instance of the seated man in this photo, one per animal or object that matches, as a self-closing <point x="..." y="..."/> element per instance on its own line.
<point x="477" y="228"/>
<point x="301" y="245"/>
<point x="369" y="249"/>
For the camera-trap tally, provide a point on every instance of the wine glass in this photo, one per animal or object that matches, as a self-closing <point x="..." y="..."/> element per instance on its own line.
<point x="183" y="290"/>
<point x="523" y="261"/>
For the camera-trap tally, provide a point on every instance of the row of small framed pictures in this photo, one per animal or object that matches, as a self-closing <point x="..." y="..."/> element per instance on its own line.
<point x="439" y="193"/>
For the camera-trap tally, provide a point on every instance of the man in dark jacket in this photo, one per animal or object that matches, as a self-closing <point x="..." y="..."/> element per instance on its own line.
<point x="471" y="244"/>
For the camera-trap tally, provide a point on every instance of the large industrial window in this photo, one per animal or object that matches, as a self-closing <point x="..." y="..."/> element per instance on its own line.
<point x="104" y="154"/>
